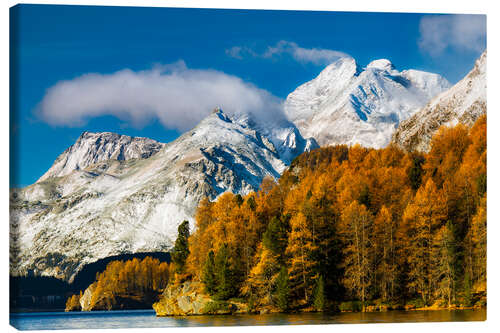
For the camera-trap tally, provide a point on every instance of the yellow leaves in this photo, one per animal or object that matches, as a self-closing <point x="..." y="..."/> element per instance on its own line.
<point x="267" y="262"/>
<point x="479" y="223"/>
<point x="324" y="188"/>
<point x="357" y="155"/>
<point x="300" y="237"/>
<point x="477" y="235"/>
<point x="455" y="139"/>
<point x="354" y="212"/>
<point x="448" y="147"/>
<point x="383" y="217"/>
<point x="262" y="276"/>
<point x="294" y="200"/>
<point x="350" y="186"/>
<point x="133" y="277"/>
<point x="223" y="207"/>
<point x="478" y="134"/>
<point x="73" y="303"/>
<point x="298" y="223"/>
<point x="203" y="216"/>
<point x="426" y="211"/>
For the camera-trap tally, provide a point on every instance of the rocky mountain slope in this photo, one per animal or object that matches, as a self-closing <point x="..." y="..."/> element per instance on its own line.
<point x="110" y="194"/>
<point x="92" y="148"/>
<point x="346" y="104"/>
<point x="462" y="103"/>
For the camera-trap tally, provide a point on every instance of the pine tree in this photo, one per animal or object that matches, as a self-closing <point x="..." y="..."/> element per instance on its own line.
<point x="275" y="236"/>
<point x="208" y="275"/>
<point x="225" y="282"/>
<point x="282" y="290"/>
<point x="415" y="171"/>
<point x="251" y="203"/>
<point x="181" y="248"/>
<point x="319" y="294"/>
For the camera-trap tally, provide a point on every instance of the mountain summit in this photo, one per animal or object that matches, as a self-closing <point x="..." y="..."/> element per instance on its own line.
<point x="347" y="104"/>
<point x="91" y="148"/>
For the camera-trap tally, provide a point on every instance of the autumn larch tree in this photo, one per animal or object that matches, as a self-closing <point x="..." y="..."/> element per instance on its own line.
<point x="424" y="215"/>
<point x="356" y="230"/>
<point x="444" y="268"/>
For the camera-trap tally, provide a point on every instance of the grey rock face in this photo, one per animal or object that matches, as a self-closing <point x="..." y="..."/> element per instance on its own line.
<point x="92" y="148"/>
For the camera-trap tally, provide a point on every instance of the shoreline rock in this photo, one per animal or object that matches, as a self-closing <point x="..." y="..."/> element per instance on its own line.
<point x="190" y="299"/>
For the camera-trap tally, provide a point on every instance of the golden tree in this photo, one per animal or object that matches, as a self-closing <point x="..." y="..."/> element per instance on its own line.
<point x="301" y="266"/>
<point x="356" y="229"/>
<point x="423" y="216"/>
<point x="387" y="268"/>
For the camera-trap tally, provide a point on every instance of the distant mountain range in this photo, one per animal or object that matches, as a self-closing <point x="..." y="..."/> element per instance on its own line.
<point x="110" y="194"/>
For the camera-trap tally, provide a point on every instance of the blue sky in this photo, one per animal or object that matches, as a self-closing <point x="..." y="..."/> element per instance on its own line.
<point x="238" y="53"/>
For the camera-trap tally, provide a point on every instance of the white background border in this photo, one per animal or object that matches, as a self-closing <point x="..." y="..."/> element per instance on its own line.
<point x="416" y="6"/>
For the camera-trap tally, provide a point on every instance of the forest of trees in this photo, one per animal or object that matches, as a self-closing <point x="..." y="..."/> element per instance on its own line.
<point x="344" y="228"/>
<point x="125" y="284"/>
<point x="352" y="227"/>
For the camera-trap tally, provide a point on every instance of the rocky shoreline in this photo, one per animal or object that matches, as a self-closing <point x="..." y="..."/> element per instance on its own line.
<point x="189" y="299"/>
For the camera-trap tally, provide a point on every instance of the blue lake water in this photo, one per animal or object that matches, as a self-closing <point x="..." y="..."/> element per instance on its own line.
<point x="147" y="318"/>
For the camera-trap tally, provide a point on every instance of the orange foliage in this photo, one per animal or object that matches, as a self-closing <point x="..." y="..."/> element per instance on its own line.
<point x="370" y="215"/>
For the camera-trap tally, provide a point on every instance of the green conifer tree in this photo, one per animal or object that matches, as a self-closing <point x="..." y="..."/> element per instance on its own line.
<point x="275" y="236"/>
<point x="319" y="294"/>
<point x="225" y="282"/>
<point x="181" y="247"/>
<point x="208" y="274"/>
<point x="282" y="290"/>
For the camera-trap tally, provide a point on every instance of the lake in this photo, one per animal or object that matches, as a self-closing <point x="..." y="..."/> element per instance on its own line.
<point x="147" y="318"/>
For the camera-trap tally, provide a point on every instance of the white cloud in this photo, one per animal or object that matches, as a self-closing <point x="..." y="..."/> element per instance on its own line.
<point x="176" y="95"/>
<point x="460" y="32"/>
<point x="235" y="52"/>
<point x="300" y="54"/>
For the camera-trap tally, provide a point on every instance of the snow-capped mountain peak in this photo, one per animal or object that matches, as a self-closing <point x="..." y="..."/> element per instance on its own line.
<point x="346" y="105"/>
<point x="381" y="64"/>
<point x="222" y="116"/>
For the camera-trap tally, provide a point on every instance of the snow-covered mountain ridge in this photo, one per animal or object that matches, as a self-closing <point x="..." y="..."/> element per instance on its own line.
<point x="463" y="103"/>
<point x="346" y="104"/>
<point x="110" y="194"/>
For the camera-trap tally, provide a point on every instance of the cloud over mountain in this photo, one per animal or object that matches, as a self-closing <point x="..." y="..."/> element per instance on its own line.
<point x="303" y="55"/>
<point x="179" y="97"/>
<point x="460" y="32"/>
